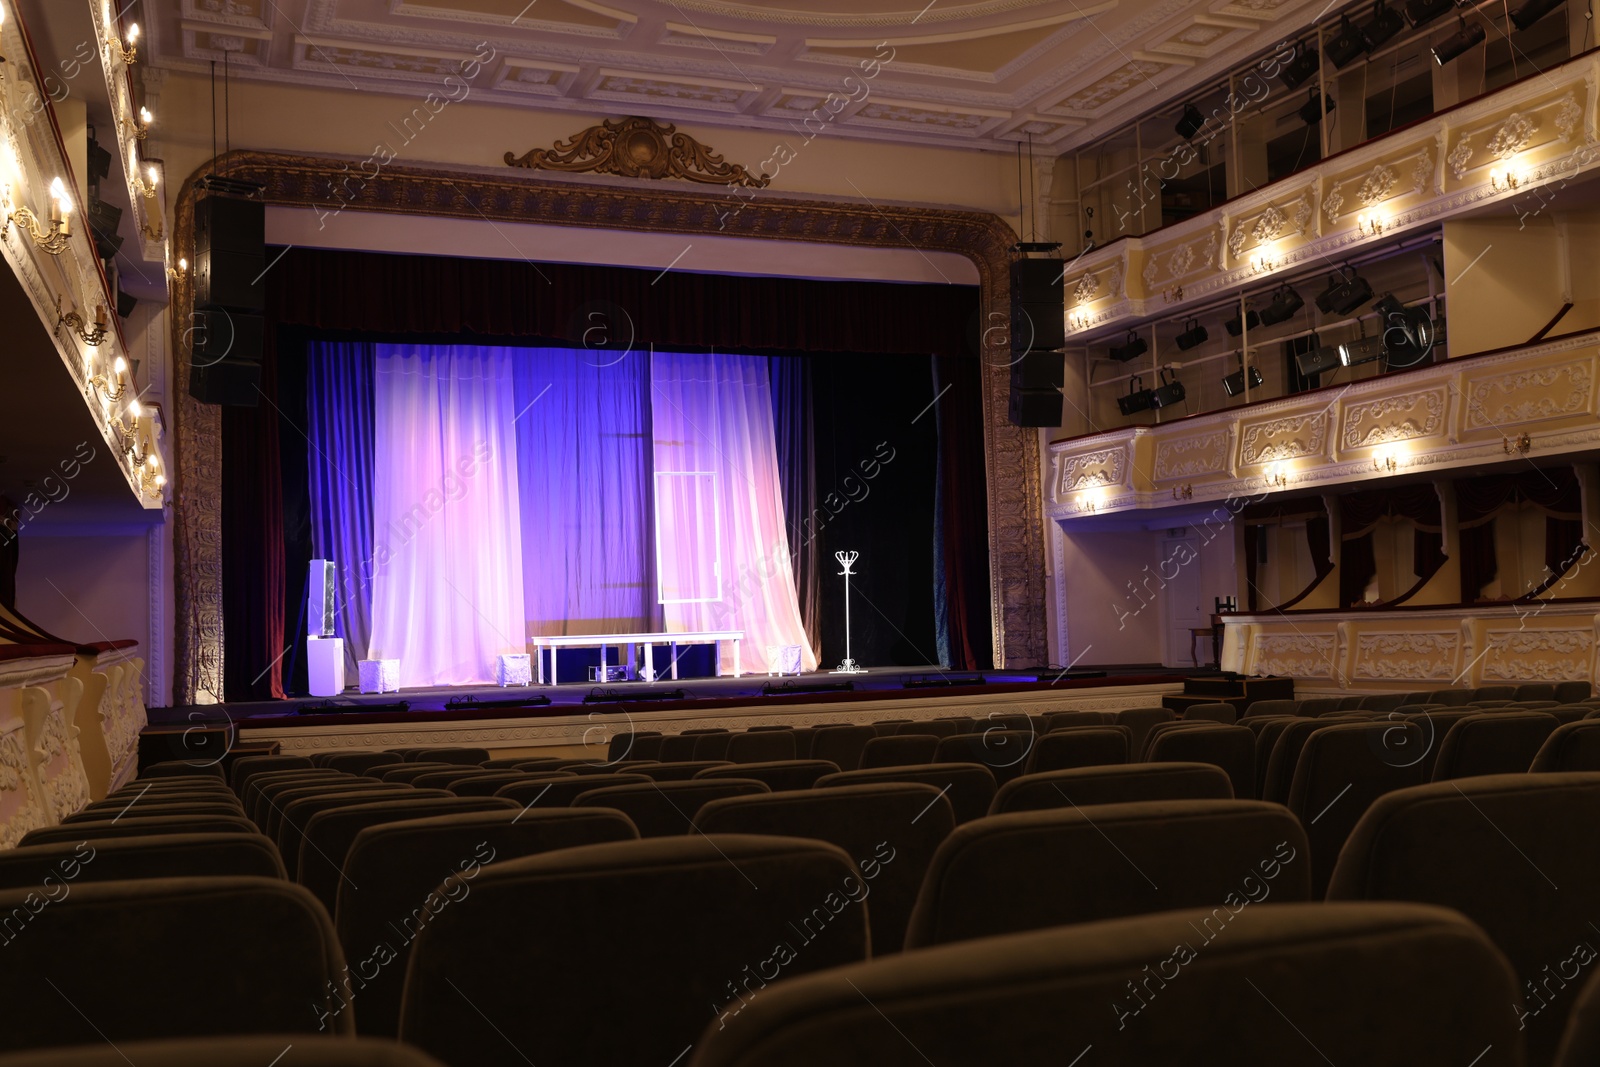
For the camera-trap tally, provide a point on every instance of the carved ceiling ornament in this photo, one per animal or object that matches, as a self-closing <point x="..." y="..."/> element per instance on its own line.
<point x="1379" y="184"/>
<point x="638" y="148"/>
<point x="1513" y="135"/>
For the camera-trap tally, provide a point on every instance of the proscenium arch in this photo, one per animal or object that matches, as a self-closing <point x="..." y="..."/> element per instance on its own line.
<point x="1011" y="454"/>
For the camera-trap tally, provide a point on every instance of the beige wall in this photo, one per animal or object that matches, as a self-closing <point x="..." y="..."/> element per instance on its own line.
<point x="1507" y="276"/>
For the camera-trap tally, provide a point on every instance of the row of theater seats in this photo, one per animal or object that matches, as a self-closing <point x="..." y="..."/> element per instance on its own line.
<point x="511" y="911"/>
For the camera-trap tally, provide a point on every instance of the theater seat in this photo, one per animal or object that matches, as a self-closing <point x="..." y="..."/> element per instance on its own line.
<point x="278" y="1050"/>
<point x="357" y="762"/>
<point x="936" y="727"/>
<point x="1271" y="707"/>
<point x="1580" y="1044"/>
<point x="1493" y="742"/>
<point x="400" y="874"/>
<point x="621" y="744"/>
<point x="1278" y="984"/>
<point x="182" y="769"/>
<point x="246" y="766"/>
<point x="1083" y="786"/>
<point x="1166" y="727"/>
<point x="1513" y="853"/>
<point x="680" y="771"/>
<point x="1139" y="720"/>
<point x="1572" y="692"/>
<point x="899" y="750"/>
<point x="1233" y="748"/>
<point x="1536" y="691"/>
<point x="621" y="953"/>
<point x="156" y="856"/>
<point x="147" y="807"/>
<point x="841" y="745"/>
<point x="1079" y="746"/>
<point x="560" y="792"/>
<point x="467" y="755"/>
<point x="1226" y="714"/>
<point x="1003" y="750"/>
<point x="761" y="746"/>
<point x="69" y="974"/>
<point x="1035" y="869"/>
<point x="663" y="809"/>
<point x="139" y="827"/>
<point x="488" y="783"/>
<point x="970" y="787"/>
<point x="890" y="828"/>
<point x="1573" y="746"/>
<point x="1316" y="706"/>
<point x="1382" y="701"/>
<point x="298" y="813"/>
<point x="779" y="775"/>
<point x="1060" y="720"/>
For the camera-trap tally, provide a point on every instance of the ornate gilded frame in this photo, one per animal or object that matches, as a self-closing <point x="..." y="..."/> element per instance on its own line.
<point x="1016" y="544"/>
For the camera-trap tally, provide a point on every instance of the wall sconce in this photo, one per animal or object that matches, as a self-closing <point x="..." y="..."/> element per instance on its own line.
<point x="1385" y="463"/>
<point x="129" y="438"/>
<point x="150" y="477"/>
<point x="1262" y="263"/>
<point x="1370" y="223"/>
<point x="1521" y="446"/>
<point x="1504" y="179"/>
<point x="1078" y="321"/>
<point x="1183" y="492"/>
<point x="113" y="392"/>
<point x="1172" y="295"/>
<point x="74" y="321"/>
<point x="147" y="182"/>
<point x="1276" y="478"/>
<point x="178" y="273"/>
<point x="128" y="52"/>
<point x="55" y="241"/>
<point x="140" y="125"/>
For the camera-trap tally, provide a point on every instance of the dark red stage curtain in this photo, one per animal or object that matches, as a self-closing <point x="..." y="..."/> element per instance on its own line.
<point x="961" y="528"/>
<point x="1554" y="490"/>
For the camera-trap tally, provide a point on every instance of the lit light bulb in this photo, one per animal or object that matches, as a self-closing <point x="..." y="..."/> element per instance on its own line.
<point x="155" y="175"/>
<point x="135" y="409"/>
<point x="133" y="33"/>
<point x="119" y="365"/>
<point x="153" y="463"/>
<point x="145" y="117"/>
<point x="2" y="15"/>
<point x="161" y="479"/>
<point x="58" y="194"/>
<point x="183" y="264"/>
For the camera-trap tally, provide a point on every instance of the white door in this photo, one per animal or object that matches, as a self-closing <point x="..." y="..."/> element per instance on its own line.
<point x="1181" y="610"/>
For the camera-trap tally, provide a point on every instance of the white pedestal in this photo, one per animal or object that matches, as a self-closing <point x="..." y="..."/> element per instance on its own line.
<point x="514" y="668"/>
<point x="325" y="665"/>
<point x="783" y="659"/>
<point x="380" y="675"/>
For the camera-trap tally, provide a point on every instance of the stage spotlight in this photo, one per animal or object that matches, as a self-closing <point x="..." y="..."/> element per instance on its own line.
<point x="1190" y="122"/>
<point x="1468" y="36"/>
<point x="1386" y="22"/>
<point x="1319" y="359"/>
<point x="1304" y="65"/>
<point x="1361" y="350"/>
<point x="1421" y="11"/>
<point x="1138" y="398"/>
<point x="1233" y="384"/>
<point x="1169" y="392"/>
<point x="1312" y="110"/>
<point x="1532" y="12"/>
<point x="1132" y="348"/>
<point x="1407" y="332"/>
<point x="1346" y="291"/>
<point x="1285" y="302"/>
<point x="1349" y="44"/>
<point x="1193" y="334"/>
<point x="1235" y="327"/>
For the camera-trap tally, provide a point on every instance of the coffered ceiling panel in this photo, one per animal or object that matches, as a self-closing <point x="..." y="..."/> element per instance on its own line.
<point x="981" y="73"/>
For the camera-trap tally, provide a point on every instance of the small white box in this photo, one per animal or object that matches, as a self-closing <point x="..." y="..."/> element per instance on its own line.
<point x="380" y="675"/>
<point x="325" y="666"/>
<point x="783" y="659"/>
<point x="514" y="668"/>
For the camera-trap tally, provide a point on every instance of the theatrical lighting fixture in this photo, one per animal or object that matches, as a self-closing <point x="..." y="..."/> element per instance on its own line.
<point x="1233" y="384"/>
<point x="1235" y="326"/>
<point x="1285" y="302"/>
<point x="1190" y="122"/>
<point x="1346" y="291"/>
<point x="1138" y="398"/>
<point x="1134" y="347"/>
<point x="1170" y="391"/>
<point x="1317" y="360"/>
<point x="1532" y="12"/>
<point x="1386" y="22"/>
<point x="1468" y="36"/>
<point x="1361" y="350"/>
<point x="1421" y="11"/>
<point x="1193" y="334"/>
<point x="1304" y="65"/>
<point x="1312" y="110"/>
<point x="1348" y="44"/>
<point x="1407" y="332"/>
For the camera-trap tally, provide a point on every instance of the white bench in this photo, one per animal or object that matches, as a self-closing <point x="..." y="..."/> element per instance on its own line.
<point x="649" y="641"/>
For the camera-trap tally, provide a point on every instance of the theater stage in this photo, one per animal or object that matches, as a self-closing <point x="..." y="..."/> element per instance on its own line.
<point x="582" y="714"/>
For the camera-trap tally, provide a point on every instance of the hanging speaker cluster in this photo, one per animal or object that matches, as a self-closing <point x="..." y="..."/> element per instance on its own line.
<point x="1038" y="333"/>
<point x="230" y="257"/>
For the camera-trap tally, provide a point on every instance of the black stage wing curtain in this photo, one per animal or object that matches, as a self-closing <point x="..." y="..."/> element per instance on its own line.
<point x="342" y="295"/>
<point x="1360" y="512"/>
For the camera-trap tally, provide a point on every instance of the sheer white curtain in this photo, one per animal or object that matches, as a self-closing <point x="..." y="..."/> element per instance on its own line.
<point x="447" y="592"/>
<point x="722" y="549"/>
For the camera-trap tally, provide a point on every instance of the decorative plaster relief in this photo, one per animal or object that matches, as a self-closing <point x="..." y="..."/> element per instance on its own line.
<point x="1296" y="655"/>
<point x="1504" y="401"/>
<point x="1537" y="655"/>
<point x="1105" y="467"/>
<point x="1430" y="656"/>
<point x="1190" y="457"/>
<point x="1290" y="437"/>
<point x="1394" y="418"/>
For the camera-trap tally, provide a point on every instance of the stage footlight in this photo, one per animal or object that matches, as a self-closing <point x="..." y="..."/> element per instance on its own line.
<point x="1319" y="359"/>
<point x="1193" y="334"/>
<point x="1348" y="45"/>
<point x="1532" y="12"/>
<point x="1361" y="350"/>
<point x="1386" y="22"/>
<point x="1132" y="348"/>
<point x="1138" y="398"/>
<point x="1169" y="392"/>
<point x="1312" y="110"/>
<point x="1422" y="11"/>
<point x="1304" y="65"/>
<point x="1346" y="291"/>
<point x="1233" y="384"/>
<point x="1451" y="48"/>
<point x="1235" y="326"/>
<point x="1285" y="302"/>
<point x="1190" y="122"/>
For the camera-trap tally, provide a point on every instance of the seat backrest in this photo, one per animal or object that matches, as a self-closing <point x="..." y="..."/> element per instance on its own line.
<point x="182" y="768"/>
<point x="1351" y="702"/>
<point x="269" y="782"/>
<point x="1572" y="746"/>
<point x="1572" y="692"/>
<point x="246" y="766"/>
<point x="899" y="750"/>
<point x="1082" y="787"/>
<point x="676" y="747"/>
<point x="842" y="745"/>
<point x="1494" y="692"/>
<point x="1060" y="720"/>
<point x="451" y="754"/>
<point x="1048" y="996"/>
<point x="445" y="779"/>
<point x="1232" y="748"/>
<point x="678" y="771"/>
<point x="1434" y="726"/>
<point x="1580" y="1044"/>
<point x="1003" y="750"/>
<point x="1452" y="698"/>
<point x="1271" y="707"/>
<point x="280" y="972"/>
<point x="779" y="774"/>
<point x="1535" y="691"/>
<point x="1079" y="746"/>
<point x="936" y="727"/>
<point x="702" y="917"/>
<point x="1315" y="706"/>
<point x="139" y="827"/>
<point x="357" y="762"/>
<point x="1492" y="742"/>
<point x="1035" y="869"/>
<point x="1511" y="852"/>
<point x="488" y="783"/>
<point x="761" y="746"/>
<point x="890" y="829"/>
<point x="279" y="801"/>
<point x="300" y="1051"/>
<point x="1139" y="720"/>
<point x="297" y="813"/>
<point x="712" y="746"/>
<point x="1167" y="727"/>
<point x="1342" y="769"/>
<point x="560" y="792"/>
<point x="1226" y="714"/>
<point x="414" y="769"/>
<point x="622" y="744"/>
<point x="148" y="807"/>
<point x="970" y="787"/>
<point x="1283" y="757"/>
<point x="885" y="727"/>
<point x="647" y="746"/>
<point x="1382" y="701"/>
<point x="328" y="836"/>
<point x="156" y="856"/>
<point x="399" y="874"/>
<point x="662" y="809"/>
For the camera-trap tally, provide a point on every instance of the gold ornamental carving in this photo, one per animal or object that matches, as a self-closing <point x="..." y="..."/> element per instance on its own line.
<point x="638" y="148"/>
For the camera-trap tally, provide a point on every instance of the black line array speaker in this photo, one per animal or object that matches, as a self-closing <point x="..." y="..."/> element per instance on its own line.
<point x="230" y="259"/>
<point x="1038" y="332"/>
<point x="1035" y="407"/>
<point x="1038" y="370"/>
